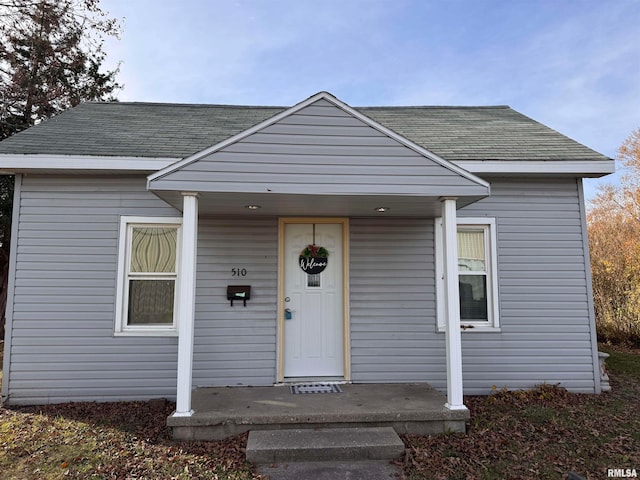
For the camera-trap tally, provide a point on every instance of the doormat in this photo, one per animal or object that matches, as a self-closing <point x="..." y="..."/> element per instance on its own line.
<point x="315" y="388"/>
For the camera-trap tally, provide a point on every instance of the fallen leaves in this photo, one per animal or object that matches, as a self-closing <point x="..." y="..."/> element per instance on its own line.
<point x="125" y="440"/>
<point x="541" y="433"/>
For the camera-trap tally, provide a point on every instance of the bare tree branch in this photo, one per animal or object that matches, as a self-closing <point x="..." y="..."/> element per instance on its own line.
<point x="50" y="60"/>
<point x="614" y="240"/>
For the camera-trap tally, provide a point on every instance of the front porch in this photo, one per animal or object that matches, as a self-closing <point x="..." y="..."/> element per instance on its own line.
<point x="345" y="166"/>
<point x="407" y="408"/>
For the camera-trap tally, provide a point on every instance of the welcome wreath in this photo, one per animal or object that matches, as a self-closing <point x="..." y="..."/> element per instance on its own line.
<point x="314" y="259"/>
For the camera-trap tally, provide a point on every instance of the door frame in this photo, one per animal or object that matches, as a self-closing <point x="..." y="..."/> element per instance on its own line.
<point x="282" y="222"/>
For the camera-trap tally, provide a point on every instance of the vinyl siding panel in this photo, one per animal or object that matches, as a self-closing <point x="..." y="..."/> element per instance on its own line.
<point x="545" y="334"/>
<point x="62" y="341"/>
<point x="236" y="345"/>
<point x="291" y="156"/>
<point x="544" y="312"/>
<point x="62" y="344"/>
<point x="392" y="306"/>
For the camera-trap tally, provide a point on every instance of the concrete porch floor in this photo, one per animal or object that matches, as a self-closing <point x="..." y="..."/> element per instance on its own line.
<point x="408" y="408"/>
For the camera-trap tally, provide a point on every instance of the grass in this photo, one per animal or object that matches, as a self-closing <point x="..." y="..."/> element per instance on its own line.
<point x="110" y="441"/>
<point x="542" y="433"/>
<point x="125" y="440"/>
<point x="622" y="361"/>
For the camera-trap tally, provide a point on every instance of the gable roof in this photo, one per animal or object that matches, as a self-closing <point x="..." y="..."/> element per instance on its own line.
<point x="156" y="130"/>
<point x="320" y="146"/>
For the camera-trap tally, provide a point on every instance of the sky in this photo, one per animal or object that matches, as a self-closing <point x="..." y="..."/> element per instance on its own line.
<point x="573" y="65"/>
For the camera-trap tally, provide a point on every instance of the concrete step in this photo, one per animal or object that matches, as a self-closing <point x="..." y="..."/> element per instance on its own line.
<point x="222" y="412"/>
<point x="300" y="445"/>
<point x="331" y="470"/>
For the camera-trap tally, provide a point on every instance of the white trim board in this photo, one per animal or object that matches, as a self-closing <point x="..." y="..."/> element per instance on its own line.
<point x="595" y="168"/>
<point x="15" y="163"/>
<point x="494" y="298"/>
<point x="346" y="314"/>
<point x="11" y="286"/>
<point x="120" y="320"/>
<point x="10" y="164"/>
<point x="18" y="163"/>
<point x="597" y="386"/>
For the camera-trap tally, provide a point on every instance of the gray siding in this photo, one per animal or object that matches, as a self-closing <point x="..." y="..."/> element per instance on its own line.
<point x="393" y="309"/>
<point x="292" y="155"/>
<point x="544" y="305"/>
<point x="545" y="333"/>
<point x="62" y="343"/>
<point x="236" y="345"/>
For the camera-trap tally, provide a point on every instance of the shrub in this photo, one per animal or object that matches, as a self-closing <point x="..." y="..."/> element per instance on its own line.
<point x="614" y="239"/>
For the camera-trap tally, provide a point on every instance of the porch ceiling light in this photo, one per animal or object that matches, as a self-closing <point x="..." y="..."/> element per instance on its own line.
<point x="252" y="207"/>
<point x="382" y="209"/>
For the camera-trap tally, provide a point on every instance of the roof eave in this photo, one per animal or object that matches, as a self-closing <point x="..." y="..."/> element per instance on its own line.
<point x="24" y="163"/>
<point x="577" y="168"/>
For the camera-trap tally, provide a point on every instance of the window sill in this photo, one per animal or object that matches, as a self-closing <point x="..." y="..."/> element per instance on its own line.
<point x="146" y="333"/>
<point x="475" y="329"/>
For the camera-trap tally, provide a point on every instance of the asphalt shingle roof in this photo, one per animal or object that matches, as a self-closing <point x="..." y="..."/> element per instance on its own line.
<point x="179" y="130"/>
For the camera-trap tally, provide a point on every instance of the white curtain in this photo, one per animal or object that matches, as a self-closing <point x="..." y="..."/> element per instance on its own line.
<point x="471" y="250"/>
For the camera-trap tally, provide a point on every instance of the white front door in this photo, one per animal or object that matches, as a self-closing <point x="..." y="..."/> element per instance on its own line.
<point x="314" y="315"/>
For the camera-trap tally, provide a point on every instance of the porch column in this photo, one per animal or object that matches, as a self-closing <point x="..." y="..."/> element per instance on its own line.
<point x="452" y="306"/>
<point x="186" y="303"/>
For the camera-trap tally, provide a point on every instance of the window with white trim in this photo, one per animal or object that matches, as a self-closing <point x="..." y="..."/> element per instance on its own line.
<point x="477" y="274"/>
<point x="148" y="261"/>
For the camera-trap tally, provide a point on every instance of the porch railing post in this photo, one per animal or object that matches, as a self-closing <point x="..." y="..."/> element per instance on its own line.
<point x="453" y="338"/>
<point x="186" y="303"/>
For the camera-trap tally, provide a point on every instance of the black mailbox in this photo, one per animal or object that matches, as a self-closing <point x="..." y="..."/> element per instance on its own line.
<point x="239" y="292"/>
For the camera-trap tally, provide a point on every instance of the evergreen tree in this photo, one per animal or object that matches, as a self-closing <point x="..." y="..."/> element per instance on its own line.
<point x="51" y="56"/>
<point x="50" y="59"/>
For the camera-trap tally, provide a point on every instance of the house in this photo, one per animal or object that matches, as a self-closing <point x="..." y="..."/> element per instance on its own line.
<point x="456" y="242"/>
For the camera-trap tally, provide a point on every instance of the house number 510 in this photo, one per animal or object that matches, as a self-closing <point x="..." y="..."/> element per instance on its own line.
<point x="238" y="272"/>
